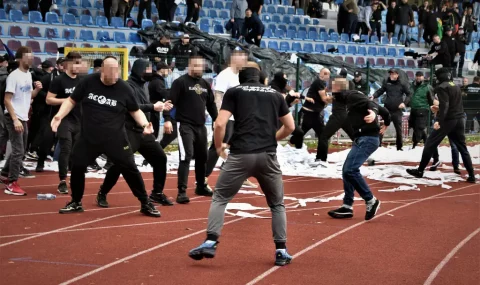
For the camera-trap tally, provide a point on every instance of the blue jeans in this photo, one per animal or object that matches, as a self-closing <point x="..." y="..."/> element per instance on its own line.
<point x="353" y="180"/>
<point x="403" y="29"/>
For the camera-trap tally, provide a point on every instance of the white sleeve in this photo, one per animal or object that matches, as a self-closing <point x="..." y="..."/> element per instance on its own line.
<point x="11" y="84"/>
<point x="221" y="84"/>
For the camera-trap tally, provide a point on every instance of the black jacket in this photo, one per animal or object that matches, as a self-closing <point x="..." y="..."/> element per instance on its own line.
<point x="395" y="91"/>
<point x="450" y="102"/>
<point x="158" y="91"/>
<point x="253" y="25"/>
<point x="443" y="56"/>
<point x="461" y="42"/>
<point x="451" y="44"/>
<point x="361" y="86"/>
<point x="137" y="84"/>
<point x="403" y="14"/>
<point x="358" y="105"/>
<point x="181" y="53"/>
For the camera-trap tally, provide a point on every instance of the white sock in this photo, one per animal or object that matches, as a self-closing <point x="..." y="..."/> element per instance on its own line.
<point x="282" y="250"/>
<point x="210" y="242"/>
<point x="372" y="201"/>
<point x="347" y="206"/>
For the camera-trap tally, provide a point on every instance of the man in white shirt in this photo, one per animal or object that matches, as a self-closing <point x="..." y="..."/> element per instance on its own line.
<point x="225" y="80"/>
<point x="18" y="96"/>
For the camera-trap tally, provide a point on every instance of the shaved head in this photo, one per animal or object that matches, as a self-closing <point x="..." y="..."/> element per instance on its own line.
<point x="324" y="74"/>
<point x="110" y="71"/>
<point x="252" y="64"/>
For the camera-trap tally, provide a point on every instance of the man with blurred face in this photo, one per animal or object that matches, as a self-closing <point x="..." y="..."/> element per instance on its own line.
<point x="105" y="101"/>
<point x="144" y="144"/>
<point x="420" y="103"/>
<point x="60" y="89"/>
<point x="158" y="91"/>
<point x="18" y="95"/>
<point x="190" y="95"/>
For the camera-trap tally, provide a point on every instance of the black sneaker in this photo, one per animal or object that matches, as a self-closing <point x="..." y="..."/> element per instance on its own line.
<point x="372" y="210"/>
<point x="145" y="162"/>
<point x="72" y="207"/>
<point x="102" y="200"/>
<point x="435" y="165"/>
<point x="25" y="173"/>
<point x="457" y="171"/>
<point x="182" y="198"/>
<point x="341" y="213"/>
<point x="161" y="199"/>
<point x="415" y="172"/>
<point x="62" y="187"/>
<point x="204" y="191"/>
<point x="471" y="179"/>
<point x="149" y="209"/>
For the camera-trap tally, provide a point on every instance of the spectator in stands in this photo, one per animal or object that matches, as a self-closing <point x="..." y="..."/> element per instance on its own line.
<point x="160" y="51"/>
<point x="374" y="18"/>
<point x="420" y="103"/>
<point x="461" y="43"/>
<point x="439" y="53"/>
<point x="352" y="9"/>
<point x="237" y="17"/>
<point x="422" y="18"/>
<point x="403" y="16"/>
<point x="119" y="7"/>
<point x="395" y="101"/>
<point x="430" y="25"/>
<point x="166" y="10"/>
<point x="315" y="9"/>
<point x="256" y="6"/>
<point x="391" y="12"/>
<point x="469" y="24"/>
<point x="342" y="20"/>
<point x="449" y="39"/>
<point x="181" y="52"/>
<point x="158" y="93"/>
<point x="362" y="27"/>
<point x="451" y="19"/>
<point x="18" y="94"/>
<point x="360" y="84"/>
<point x="107" y="8"/>
<point x="193" y="10"/>
<point x="253" y="28"/>
<point x="144" y="5"/>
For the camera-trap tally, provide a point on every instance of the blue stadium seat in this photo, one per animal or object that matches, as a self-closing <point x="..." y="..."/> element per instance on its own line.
<point x="284" y="46"/>
<point x="268" y="34"/>
<point x="16" y="16"/>
<point x="218" y="29"/>
<point x="315" y="21"/>
<point x="216" y="22"/>
<point x="98" y="5"/>
<point x="292" y="27"/>
<point x="69" y="19"/>
<point x="279" y="34"/>
<point x="394" y="40"/>
<point x="301" y="35"/>
<point x="71" y="3"/>
<point x="302" y="28"/>
<point x="146" y="23"/>
<point x="276" y="19"/>
<point x="52" y="18"/>
<point x="117" y="22"/>
<point x="392" y="52"/>
<point x="271" y="9"/>
<point x="219" y="5"/>
<point x="296" y="20"/>
<point x="374" y="40"/>
<point x="287" y="19"/>
<point x="35" y="17"/>
<point x="308" y="47"/>
<point x="282" y="27"/>
<point x="69" y="34"/>
<point x="324" y="36"/>
<point x="291" y="10"/>
<point x="291" y="34"/>
<point x="281" y="10"/>
<point x="352" y="49"/>
<point x="382" y="51"/>
<point x="342" y="49"/>
<point x="344" y="38"/>
<point x="134" y="38"/>
<point x="266" y="18"/>
<point x="3" y="16"/>
<point x="319" y="48"/>
<point x="362" y="50"/>
<point x="313" y="35"/>
<point x="334" y="37"/>
<point x="306" y="21"/>
<point x="119" y="37"/>
<point x="365" y="38"/>
<point x="212" y="14"/>
<point x="401" y="52"/>
<point x="263" y="45"/>
<point x="297" y="47"/>
<point x="102" y="21"/>
<point x="228" y="5"/>
<point x="372" y="51"/>
<point x="329" y="46"/>
<point x="385" y="41"/>
<point x="208" y="4"/>
<point x="52" y="33"/>
<point x="224" y="15"/>
<point x="300" y="12"/>
<point x="273" y="45"/>
<point x="87" y="21"/>
<point x="74" y="12"/>
<point x="86" y="35"/>
<point x="205" y="21"/>
<point x="204" y="28"/>
<point x="103" y="36"/>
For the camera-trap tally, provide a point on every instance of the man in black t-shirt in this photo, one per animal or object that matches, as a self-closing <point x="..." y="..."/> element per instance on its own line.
<point x="105" y="100"/>
<point x="60" y="89"/>
<point x="257" y="110"/>
<point x="311" y="114"/>
<point x="190" y="95"/>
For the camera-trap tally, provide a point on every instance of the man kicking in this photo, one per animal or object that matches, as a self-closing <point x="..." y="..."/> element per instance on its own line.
<point x="362" y="115"/>
<point x="190" y="95"/>
<point x="105" y="100"/>
<point x="146" y="145"/>
<point x="257" y="110"/>
<point x="450" y="121"/>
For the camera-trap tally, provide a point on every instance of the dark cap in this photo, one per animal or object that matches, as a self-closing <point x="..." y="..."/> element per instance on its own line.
<point x="3" y="58"/>
<point x="357" y="74"/>
<point x="419" y="73"/>
<point x="343" y="73"/>
<point x="97" y="63"/>
<point x="393" y="70"/>
<point x="162" y="65"/>
<point x="47" y="64"/>
<point x="60" y="60"/>
<point x="448" y="29"/>
<point x="185" y="36"/>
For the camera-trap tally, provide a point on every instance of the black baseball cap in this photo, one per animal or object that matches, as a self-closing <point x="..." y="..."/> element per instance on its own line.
<point x="393" y="70"/>
<point x="419" y="73"/>
<point x="97" y="63"/>
<point x="60" y="60"/>
<point x="357" y="74"/>
<point x="162" y="65"/>
<point x="47" y="64"/>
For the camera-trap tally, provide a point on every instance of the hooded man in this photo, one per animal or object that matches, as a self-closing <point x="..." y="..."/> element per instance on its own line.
<point x="146" y="145"/>
<point x="450" y="121"/>
<point x="158" y="92"/>
<point x="257" y="110"/>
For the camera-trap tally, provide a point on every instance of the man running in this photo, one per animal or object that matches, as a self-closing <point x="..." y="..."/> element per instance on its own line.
<point x="146" y="145"/>
<point x="60" y="89"/>
<point x="105" y="101"/>
<point x="257" y="110"/>
<point x="18" y="94"/>
<point x="190" y="95"/>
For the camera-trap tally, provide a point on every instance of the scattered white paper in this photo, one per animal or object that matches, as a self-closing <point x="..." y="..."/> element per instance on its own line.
<point x="401" y="188"/>
<point x="243" y="206"/>
<point x="246" y="215"/>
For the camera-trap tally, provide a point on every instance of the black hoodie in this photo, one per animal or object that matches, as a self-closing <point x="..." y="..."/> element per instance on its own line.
<point x="137" y="84"/>
<point x="395" y="91"/>
<point x="279" y="83"/>
<point x="157" y="90"/>
<point x="449" y="97"/>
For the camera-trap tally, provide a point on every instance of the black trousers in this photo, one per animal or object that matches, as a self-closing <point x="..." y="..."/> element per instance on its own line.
<point x="212" y="151"/>
<point x="376" y="28"/>
<point x="455" y="130"/>
<point x="33" y="5"/>
<point x="192" y="13"/>
<point x="191" y="139"/>
<point x="309" y="120"/>
<point x="252" y="38"/>
<point x="33" y="131"/>
<point x="169" y="138"/>
<point x="45" y="7"/>
<point x="153" y="154"/>
<point x="67" y="133"/>
<point x="107" y="6"/>
<point x="45" y="140"/>
<point x="461" y="62"/>
<point x="418" y="122"/>
<point x="142" y="6"/>
<point x="155" y="119"/>
<point x="118" y="150"/>
<point x="396" y="117"/>
<point x="337" y="121"/>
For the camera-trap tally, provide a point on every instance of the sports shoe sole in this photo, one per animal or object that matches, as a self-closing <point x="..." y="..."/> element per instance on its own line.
<point x="156" y="214"/>
<point x="6" y="191"/>
<point x="71" y="212"/>
<point x="283" y="262"/>
<point x="201" y="253"/>
<point x="376" y="210"/>
<point x="340" y="216"/>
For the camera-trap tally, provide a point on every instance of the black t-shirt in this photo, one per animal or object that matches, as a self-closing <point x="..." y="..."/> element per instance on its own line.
<point x="256" y="109"/>
<point x="377" y="14"/>
<point x="254" y="5"/>
<point x="104" y="108"/>
<point x="63" y="86"/>
<point x="339" y="106"/>
<point x="319" y="105"/>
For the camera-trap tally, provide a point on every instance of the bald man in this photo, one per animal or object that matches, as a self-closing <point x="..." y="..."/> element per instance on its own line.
<point x="311" y="114"/>
<point x="105" y="100"/>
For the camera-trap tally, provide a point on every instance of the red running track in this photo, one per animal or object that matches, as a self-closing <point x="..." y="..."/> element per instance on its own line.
<point x="419" y="237"/>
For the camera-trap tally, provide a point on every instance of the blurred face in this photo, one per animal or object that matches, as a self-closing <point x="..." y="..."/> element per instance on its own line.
<point x="405" y="1"/>
<point x="374" y="6"/>
<point x="26" y="61"/>
<point x="110" y="71"/>
<point x="324" y="75"/>
<point x="449" y="33"/>
<point x="185" y="41"/>
<point x="164" y="41"/>
<point x="339" y="84"/>
<point x="469" y="11"/>
<point x="49" y="70"/>
<point x="465" y="81"/>
<point x="436" y="39"/>
<point x="74" y="66"/>
<point x="239" y="60"/>
<point x="393" y="4"/>
<point x="248" y="13"/>
<point x="425" y="3"/>
<point x="165" y="72"/>
<point x="4" y="63"/>
<point x="358" y="78"/>
<point x="393" y="76"/>
<point x="61" y="67"/>
<point x="196" y="66"/>
<point x="419" y="79"/>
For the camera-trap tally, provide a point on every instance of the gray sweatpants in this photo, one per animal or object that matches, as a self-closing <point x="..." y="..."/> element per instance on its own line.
<point x="18" y="141"/>
<point x="238" y="167"/>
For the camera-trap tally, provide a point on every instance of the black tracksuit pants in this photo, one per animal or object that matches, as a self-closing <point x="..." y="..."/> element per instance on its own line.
<point x="191" y="139"/>
<point x="169" y="138"/>
<point x="67" y="133"/>
<point x="44" y="140"/>
<point x="396" y="117"/>
<point x="142" y="6"/>
<point x="338" y="120"/>
<point x="192" y="13"/>
<point x="212" y="151"/>
<point x="418" y="122"/>
<point x="155" y="119"/>
<point x="153" y="154"/>
<point x="455" y="130"/>
<point x="118" y="150"/>
<point x="310" y="120"/>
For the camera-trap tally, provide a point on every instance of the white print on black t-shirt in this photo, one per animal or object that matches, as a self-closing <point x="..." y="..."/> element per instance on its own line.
<point x="69" y="90"/>
<point x="102" y="100"/>
<point x="162" y="49"/>
<point x="198" y="89"/>
<point x="438" y="47"/>
<point x="257" y="89"/>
